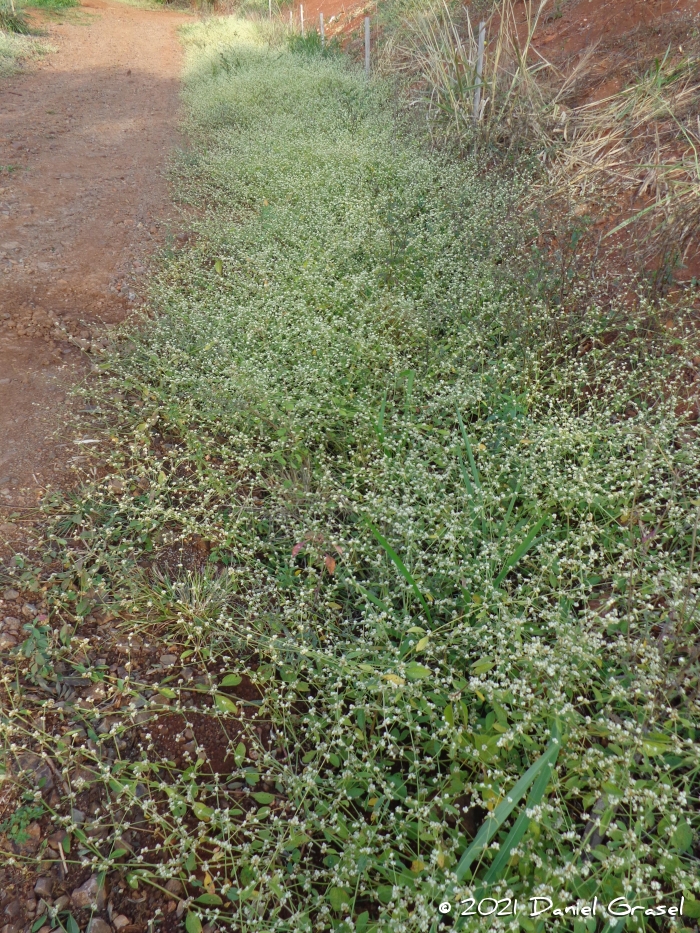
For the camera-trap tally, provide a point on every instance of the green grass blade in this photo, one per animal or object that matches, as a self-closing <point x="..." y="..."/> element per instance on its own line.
<point x="493" y="823"/>
<point x="465" y="476"/>
<point x="380" y="420"/>
<point x="372" y="598"/>
<point x="520" y="551"/>
<point x="402" y="568"/>
<point x="410" y="375"/>
<point x="504" y="523"/>
<point x="523" y="821"/>
<point x="470" y="455"/>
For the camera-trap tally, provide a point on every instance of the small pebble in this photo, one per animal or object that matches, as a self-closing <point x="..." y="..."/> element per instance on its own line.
<point x="10" y="594"/>
<point x="44" y="887"/>
<point x="98" y="925"/>
<point x="168" y="660"/>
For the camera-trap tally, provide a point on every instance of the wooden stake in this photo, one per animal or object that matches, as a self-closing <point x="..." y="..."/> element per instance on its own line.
<point x="479" y="71"/>
<point x="301" y="14"/>
<point x="367" y="46"/>
<point x="323" y="32"/>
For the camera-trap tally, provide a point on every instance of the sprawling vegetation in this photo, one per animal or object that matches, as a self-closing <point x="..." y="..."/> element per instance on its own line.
<point x="450" y="503"/>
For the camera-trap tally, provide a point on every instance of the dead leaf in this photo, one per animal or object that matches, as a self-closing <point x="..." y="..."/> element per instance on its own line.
<point x="330" y="564"/>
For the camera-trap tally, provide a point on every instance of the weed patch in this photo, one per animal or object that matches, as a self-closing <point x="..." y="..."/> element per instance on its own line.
<point x="422" y="541"/>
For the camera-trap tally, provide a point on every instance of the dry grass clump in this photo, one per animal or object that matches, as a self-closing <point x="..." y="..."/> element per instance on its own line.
<point x="637" y="153"/>
<point x="510" y="102"/>
<point x="632" y="156"/>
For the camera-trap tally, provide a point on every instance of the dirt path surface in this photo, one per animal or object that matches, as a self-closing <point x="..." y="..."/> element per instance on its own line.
<point x="84" y="143"/>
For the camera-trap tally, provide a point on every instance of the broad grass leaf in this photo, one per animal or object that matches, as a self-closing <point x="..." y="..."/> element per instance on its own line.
<point x="494" y="822"/>
<point x="403" y="570"/>
<point x="192" y="923"/>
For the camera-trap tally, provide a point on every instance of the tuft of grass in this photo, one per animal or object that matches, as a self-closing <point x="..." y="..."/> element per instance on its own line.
<point x="363" y="462"/>
<point x="53" y="6"/>
<point x="13" y="19"/>
<point x="310" y="44"/>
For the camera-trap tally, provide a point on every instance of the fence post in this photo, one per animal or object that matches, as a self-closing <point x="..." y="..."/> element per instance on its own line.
<point x="301" y="14"/>
<point x="323" y="32"/>
<point x="269" y="4"/>
<point x="291" y="20"/>
<point x="367" y="46"/>
<point x="479" y="70"/>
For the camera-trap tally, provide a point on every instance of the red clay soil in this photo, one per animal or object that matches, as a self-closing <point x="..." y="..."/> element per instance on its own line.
<point x="84" y="143"/>
<point x="627" y="36"/>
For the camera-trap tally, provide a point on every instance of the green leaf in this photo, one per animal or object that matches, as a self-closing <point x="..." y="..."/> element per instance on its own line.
<point x="338" y="897"/>
<point x="192" y="923"/>
<point x="190" y="862"/>
<point x="38" y="923"/>
<point x="298" y="839"/>
<point x="495" y="820"/>
<point x="682" y="837"/>
<point x="655" y="743"/>
<point x="262" y="797"/>
<point x="209" y="900"/>
<point x="691" y="908"/>
<point x="167" y="692"/>
<point x="72" y="924"/>
<point x="225" y="704"/>
<point x="362" y="921"/>
<point x="415" y="671"/>
<point x="239" y="754"/>
<point x="405" y="573"/>
<point x="219" y="267"/>
<point x="231" y="680"/>
<point x="202" y="811"/>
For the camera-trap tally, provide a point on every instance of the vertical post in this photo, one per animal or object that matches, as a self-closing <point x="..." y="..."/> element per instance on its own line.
<point x="269" y="3"/>
<point x="479" y="71"/>
<point x="301" y="15"/>
<point x="323" y="32"/>
<point x="367" y="46"/>
<point x="291" y="21"/>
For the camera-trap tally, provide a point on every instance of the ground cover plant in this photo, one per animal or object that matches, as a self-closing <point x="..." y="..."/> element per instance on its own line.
<point x="418" y="519"/>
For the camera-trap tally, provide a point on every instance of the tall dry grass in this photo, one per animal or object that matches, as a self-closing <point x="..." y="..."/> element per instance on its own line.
<point x="518" y="95"/>
<point x="631" y="157"/>
<point x="636" y="153"/>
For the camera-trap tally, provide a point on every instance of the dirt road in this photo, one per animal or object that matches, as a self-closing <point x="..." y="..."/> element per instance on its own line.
<point x="84" y="144"/>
